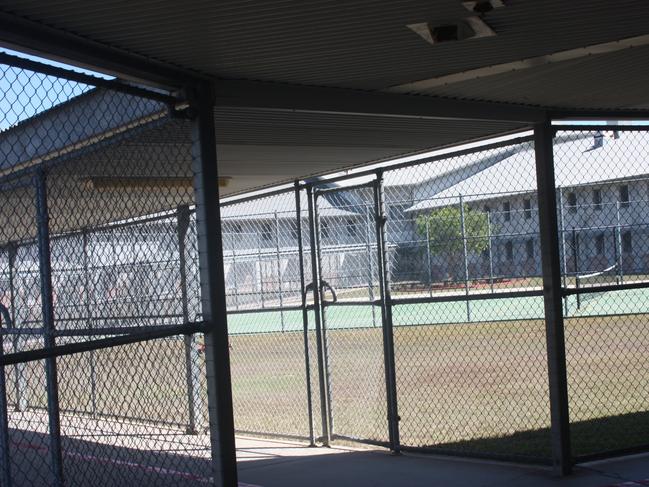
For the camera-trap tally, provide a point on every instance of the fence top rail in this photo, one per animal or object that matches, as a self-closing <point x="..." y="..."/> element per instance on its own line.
<point x="110" y="342"/>
<point x="569" y="290"/>
<point x="599" y="128"/>
<point x="457" y="297"/>
<point x="162" y="216"/>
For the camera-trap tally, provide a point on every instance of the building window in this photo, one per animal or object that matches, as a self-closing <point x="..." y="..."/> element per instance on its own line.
<point x="509" y="250"/>
<point x="294" y="232"/>
<point x="266" y="232"/>
<point x="597" y="199"/>
<point x="624" y="195"/>
<point x="527" y="205"/>
<point x="599" y="244"/>
<point x="572" y="202"/>
<point x="237" y="228"/>
<point x="352" y="231"/>
<point x="507" y="211"/>
<point x="627" y="243"/>
<point x="529" y="248"/>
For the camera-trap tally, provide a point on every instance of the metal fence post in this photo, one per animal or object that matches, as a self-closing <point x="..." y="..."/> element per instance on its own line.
<point x="86" y="285"/>
<point x="370" y="266"/>
<point x="323" y="315"/>
<point x="279" y="271"/>
<point x="386" y="312"/>
<point x="234" y="276"/>
<point x="45" y="267"/>
<point x="618" y="242"/>
<point x="429" y="263"/>
<point x="465" y="254"/>
<point x="261" y="275"/>
<point x="5" y="460"/>
<point x="320" y="345"/>
<point x="491" y="255"/>
<point x="562" y="243"/>
<point x="616" y="257"/>
<point x="213" y="293"/>
<point x="192" y="367"/>
<point x="305" y="312"/>
<point x="19" y="369"/>
<point x="552" y="295"/>
<point x="575" y="256"/>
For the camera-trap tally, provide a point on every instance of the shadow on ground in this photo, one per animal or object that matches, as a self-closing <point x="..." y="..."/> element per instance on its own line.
<point x="185" y="462"/>
<point x="589" y="438"/>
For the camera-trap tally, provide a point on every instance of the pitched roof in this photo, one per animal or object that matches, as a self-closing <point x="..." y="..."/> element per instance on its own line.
<point x="577" y="163"/>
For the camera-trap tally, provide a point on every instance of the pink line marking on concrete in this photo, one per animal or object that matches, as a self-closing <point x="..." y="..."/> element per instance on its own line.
<point x="123" y="463"/>
<point x="631" y="483"/>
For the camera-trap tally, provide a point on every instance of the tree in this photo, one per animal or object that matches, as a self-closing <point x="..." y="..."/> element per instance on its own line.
<point x="442" y="228"/>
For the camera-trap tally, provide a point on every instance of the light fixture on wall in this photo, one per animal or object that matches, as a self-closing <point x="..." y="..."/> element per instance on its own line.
<point x="148" y="183"/>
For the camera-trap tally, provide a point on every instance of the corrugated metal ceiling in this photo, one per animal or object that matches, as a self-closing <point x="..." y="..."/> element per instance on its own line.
<point x="361" y="44"/>
<point x="606" y="81"/>
<point x="262" y="148"/>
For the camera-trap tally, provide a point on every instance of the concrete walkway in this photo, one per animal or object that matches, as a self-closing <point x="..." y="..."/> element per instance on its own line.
<point x="282" y="464"/>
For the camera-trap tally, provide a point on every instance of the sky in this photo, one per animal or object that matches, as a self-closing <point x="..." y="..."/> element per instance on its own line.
<point x="24" y="94"/>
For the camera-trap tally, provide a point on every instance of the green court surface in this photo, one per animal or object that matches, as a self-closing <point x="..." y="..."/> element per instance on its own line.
<point x="633" y="301"/>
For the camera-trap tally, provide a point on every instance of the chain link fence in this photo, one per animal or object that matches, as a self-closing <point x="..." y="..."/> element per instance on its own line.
<point x="603" y="184"/>
<point x="99" y="275"/>
<point x="402" y="306"/>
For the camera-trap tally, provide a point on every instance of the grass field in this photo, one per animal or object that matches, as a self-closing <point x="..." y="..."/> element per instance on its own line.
<point x="467" y="387"/>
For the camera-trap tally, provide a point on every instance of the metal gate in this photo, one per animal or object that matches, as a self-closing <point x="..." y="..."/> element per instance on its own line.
<point x="353" y="323"/>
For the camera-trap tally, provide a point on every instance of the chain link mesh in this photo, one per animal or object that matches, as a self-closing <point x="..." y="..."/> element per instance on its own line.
<point x="602" y="181"/>
<point x="97" y="200"/>
<point x="261" y="242"/>
<point x="468" y="330"/>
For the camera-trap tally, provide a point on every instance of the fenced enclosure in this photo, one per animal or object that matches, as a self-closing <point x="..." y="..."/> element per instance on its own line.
<point x="406" y="306"/>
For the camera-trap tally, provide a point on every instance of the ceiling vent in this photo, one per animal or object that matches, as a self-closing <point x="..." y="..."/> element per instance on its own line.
<point x="457" y="30"/>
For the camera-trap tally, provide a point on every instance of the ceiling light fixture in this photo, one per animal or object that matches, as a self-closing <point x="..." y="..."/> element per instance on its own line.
<point x="145" y="183"/>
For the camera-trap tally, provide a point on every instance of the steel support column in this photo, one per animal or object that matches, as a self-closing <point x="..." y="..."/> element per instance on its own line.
<point x="47" y="304"/>
<point x="210" y="256"/>
<point x="552" y="294"/>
